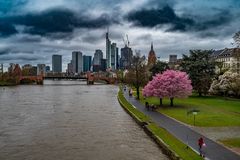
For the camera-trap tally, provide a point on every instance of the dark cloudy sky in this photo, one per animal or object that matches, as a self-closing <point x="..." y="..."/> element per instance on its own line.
<point x="32" y="30"/>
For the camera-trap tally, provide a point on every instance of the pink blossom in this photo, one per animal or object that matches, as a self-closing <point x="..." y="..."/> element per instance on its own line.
<point x="169" y="84"/>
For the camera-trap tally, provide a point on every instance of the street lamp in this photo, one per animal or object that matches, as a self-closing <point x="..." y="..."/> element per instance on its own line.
<point x="194" y="115"/>
<point x="194" y="112"/>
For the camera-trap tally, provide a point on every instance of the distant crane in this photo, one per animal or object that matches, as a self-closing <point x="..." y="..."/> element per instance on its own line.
<point x="126" y="42"/>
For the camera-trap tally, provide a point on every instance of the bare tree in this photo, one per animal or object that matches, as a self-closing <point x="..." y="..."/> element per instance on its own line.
<point x="137" y="74"/>
<point x="236" y="38"/>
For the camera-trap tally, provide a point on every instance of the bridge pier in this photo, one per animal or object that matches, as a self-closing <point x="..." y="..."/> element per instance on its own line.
<point x="39" y="82"/>
<point x="90" y="78"/>
<point x="31" y="80"/>
<point x="90" y="82"/>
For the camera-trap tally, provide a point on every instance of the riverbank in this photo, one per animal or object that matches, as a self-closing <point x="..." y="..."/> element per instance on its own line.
<point x="24" y="82"/>
<point x="4" y="83"/>
<point x="170" y="145"/>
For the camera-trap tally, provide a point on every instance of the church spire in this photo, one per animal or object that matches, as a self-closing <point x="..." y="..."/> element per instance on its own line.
<point x="151" y="56"/>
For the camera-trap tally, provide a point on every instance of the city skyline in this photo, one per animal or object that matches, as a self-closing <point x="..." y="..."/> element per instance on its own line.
<point x="32" y="31"/>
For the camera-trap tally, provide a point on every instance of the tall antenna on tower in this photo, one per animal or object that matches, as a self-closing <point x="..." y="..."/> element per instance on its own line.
<point x="107" y="32"/>
<point x="108" y="29"/>
<point x="124" y="42"/>
<point x="128" y="43"/>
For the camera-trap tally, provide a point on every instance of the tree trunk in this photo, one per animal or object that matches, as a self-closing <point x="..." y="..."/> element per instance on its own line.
<point x="138" y="97"/>
<point x="160" y="101"/>
<point x="199" y="93"/>
<point x="171" y="99"/>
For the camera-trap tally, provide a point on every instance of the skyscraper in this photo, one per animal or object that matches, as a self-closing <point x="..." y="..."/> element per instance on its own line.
<point x="56" y="63"/>
<point x="98" y="55"/>
<point x="111" y="54"/>
<point x="117" y="59"/>
<point x="87" y="61"/>
<point x="108" y="51"/>
<point x="1" y="69"/>
<point x="103" y="65"/>
<point x="126" y="57"/>
<point x="172" y="58"/>
<point x="114" y="57"/>
<point x="70" y="68"/>
<point x="77" y="62"/>
<point x="47" y="68"/>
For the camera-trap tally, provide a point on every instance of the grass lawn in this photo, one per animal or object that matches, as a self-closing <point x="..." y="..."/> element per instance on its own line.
<point x="214" y="111"/>
<point x="232" y="142"/>
<point x="174" y="144"/>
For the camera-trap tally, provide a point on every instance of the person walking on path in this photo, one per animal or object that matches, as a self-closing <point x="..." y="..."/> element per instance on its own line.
<point x="147" y="105"/>
<point x="201" y="144"/>
<point x="130" y="92"/>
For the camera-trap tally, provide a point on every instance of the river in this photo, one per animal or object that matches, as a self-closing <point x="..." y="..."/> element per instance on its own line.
<point x="69" y="120"/>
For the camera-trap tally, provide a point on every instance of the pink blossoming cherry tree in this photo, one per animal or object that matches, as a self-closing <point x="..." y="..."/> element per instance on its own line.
<point x="170" y="84"/>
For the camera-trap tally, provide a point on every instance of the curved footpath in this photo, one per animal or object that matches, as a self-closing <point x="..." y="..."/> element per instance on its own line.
<point x="213" y="150"/>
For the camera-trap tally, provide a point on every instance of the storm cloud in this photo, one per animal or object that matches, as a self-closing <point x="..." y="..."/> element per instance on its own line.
<point x="167" y="16"/>
<point x="52" y="21"/>
<point x="6" y="29"/>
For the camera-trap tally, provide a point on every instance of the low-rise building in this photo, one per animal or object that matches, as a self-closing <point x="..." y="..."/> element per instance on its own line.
<point x="229" y="57"/>
<point x="41" y="69"/>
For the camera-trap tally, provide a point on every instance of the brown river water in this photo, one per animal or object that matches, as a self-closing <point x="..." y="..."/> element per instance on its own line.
<point x="69" y="120"/>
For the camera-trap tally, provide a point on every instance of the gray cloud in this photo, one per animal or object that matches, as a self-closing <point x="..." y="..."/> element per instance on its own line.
<point x="9" y="50"/>
<point x="8" y="6"/>
<point x="49" y="22"/>
<point x="4" y="51"/>
<point x="26" y="38"/>
<point x="156" y="17"/>
<point x="167" y="16"/>
<point x="6" y="29"/>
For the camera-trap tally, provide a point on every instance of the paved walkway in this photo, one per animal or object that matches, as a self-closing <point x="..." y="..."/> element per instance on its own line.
<point x="213" y="150"/>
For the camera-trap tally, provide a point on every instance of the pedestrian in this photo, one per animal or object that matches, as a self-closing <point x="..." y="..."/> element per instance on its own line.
<point x="130" y="92"/>
<point x="147" y="105"/>
<point x="201" y="144"/>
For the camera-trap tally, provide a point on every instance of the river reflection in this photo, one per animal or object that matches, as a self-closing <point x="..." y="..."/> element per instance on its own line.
<point x="69" y="120"/>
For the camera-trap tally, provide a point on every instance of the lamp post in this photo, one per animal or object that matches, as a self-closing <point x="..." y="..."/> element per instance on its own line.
<point x="194" y="115"/>
<point x="194" y="112"/>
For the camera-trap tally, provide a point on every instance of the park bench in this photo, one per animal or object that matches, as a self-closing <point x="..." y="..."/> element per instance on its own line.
<point x="150" y="107"/>
<point x="153" y="107"/>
